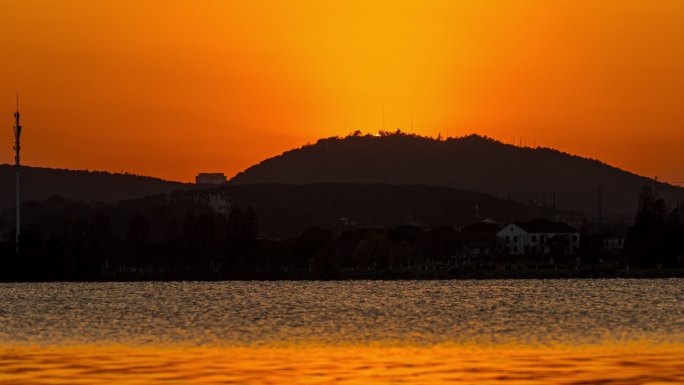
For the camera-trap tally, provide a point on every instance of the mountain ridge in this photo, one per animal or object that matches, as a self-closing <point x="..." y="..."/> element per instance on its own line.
<point x="471" y="162"/>
<point x="41" y="182"/>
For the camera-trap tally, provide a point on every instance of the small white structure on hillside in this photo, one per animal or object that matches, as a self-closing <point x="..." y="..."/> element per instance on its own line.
<point x="614" y="245"/>
<point x="219" y="203"/>
<point x="210" y="178"/>
<point x="538" y="236"/>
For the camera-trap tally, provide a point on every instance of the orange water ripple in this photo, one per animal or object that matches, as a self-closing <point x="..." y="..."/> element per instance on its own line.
<point x="321" y="364"/>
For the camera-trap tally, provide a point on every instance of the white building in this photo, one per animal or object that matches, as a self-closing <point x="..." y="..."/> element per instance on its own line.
<point x="614" y="245"/>
<point x="538" y="236"/>
<point x="219" y="203"/>
<point x="210" y="178"/>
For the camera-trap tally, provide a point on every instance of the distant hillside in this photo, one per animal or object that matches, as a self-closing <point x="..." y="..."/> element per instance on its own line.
<point x="469" y="163"/>
<point x="40" y="183"/>
<point x="287" y="210"/>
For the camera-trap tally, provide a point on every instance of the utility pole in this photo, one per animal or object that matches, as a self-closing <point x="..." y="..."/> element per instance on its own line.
<point x="600" y="209"/>
<point x="510" y="217"/>
<point x="460" y="208"/>
<point x="17" y="159"/>
<point x="446" y="208"/>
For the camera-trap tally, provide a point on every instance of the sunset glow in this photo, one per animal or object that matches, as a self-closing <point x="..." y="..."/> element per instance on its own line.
<point x="172" y="88"/>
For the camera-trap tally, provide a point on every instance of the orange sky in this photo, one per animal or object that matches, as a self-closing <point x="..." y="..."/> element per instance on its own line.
<point x="170" y="88"/>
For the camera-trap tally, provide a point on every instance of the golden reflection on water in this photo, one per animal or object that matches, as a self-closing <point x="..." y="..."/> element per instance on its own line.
<point x="326" y="364"/>
<point x="362" y="332"/>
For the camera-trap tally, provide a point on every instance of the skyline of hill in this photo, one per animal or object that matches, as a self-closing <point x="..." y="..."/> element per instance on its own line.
<point x="40" y="183"/>
<point x="472" y="163"/>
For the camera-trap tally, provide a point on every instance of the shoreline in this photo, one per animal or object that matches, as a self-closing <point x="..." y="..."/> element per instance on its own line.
<point x="386" y="275"/>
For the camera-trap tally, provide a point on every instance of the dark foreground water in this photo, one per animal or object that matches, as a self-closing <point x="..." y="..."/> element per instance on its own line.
<point x="517" y="331"/>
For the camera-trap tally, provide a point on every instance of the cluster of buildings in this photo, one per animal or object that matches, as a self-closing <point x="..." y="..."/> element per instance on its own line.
<point x="538" y="236"/>
<point x="534" y="242"/>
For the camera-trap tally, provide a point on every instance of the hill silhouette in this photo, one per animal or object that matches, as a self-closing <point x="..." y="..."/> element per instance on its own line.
<point x="473" y="163"/>
<point x="40" y="183"/>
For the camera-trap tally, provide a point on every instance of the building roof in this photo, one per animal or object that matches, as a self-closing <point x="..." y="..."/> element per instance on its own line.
<point x="545" y="226"/>
<point x="210" y="178"/>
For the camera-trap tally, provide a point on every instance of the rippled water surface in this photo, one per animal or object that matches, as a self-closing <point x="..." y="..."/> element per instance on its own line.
<point x="517" y="331"/>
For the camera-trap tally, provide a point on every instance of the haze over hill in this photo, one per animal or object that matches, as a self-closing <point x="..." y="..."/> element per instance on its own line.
<point x="287" y="210"/>
<point x="40" y="183"/>
<point x="470" y="163"/>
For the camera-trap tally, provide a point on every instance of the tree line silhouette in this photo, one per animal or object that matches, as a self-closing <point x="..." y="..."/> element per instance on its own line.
<point x="180" y="236"/>
<point x="657" y="237"/>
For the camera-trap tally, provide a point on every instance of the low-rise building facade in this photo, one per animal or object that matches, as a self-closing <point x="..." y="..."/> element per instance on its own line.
<point x="613" y="245"/>
<point x="538" y="236"/>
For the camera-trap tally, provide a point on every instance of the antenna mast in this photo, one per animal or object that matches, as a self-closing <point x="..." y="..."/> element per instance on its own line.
<point x="17" y="160"/>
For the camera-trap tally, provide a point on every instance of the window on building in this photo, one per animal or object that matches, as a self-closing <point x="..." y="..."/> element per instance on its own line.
<point x="534" y="249"/>
<point x="515" y="249"/>
<point x="534" y="238"/>
<point x="515" y="238"/>
<point x="574" y="238"/>
<point x="508" y="239"/>
<point x="542" y="238"/>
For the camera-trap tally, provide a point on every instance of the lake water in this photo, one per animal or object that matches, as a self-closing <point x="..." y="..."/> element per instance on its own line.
<point x="365" y="332"/>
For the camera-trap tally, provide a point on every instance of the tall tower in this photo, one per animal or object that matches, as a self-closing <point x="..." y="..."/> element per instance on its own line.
<point x="17" y="159"/>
